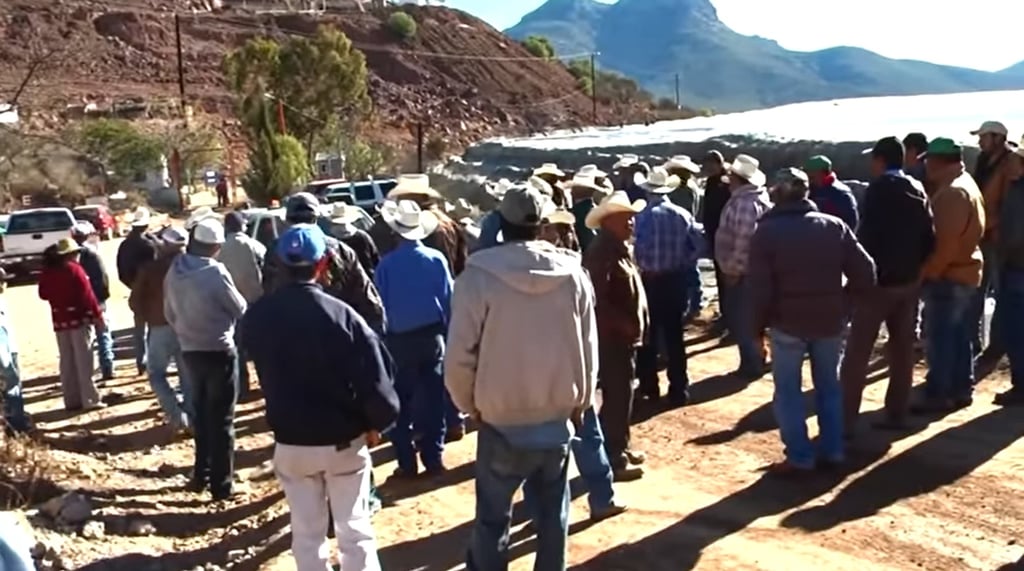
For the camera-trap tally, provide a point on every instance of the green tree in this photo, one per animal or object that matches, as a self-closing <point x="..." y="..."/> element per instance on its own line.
<point x="539" y="46"/>
<point x="199" y="145"/>
<point x="402" y="25"/>
<point x="277" y="163"/>
<point x="317" y="80"/>
<point x="363" y="160"/>
<point x="120" y="146"/>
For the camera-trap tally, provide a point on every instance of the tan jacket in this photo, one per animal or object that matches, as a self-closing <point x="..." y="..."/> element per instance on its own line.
<point x="994" y="190"/>
<point x="959" y="224"/>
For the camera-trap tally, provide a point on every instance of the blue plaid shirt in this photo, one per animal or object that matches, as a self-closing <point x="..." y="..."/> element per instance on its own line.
<point x="666" y="237"/>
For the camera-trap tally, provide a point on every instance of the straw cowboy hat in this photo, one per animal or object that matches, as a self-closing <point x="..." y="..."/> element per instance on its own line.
<point x="660" y="182"/>
<point x="411" y="185"/>
<point x="583" y="181"/>
<point x="198" y="215"/>
<point x="342" y="213"/>
<point x="67" y="246"/>
<point x="748" y="168"/>
<point x="541" y="185"/>
<point x="618" y="201"/>
<point x="627" y="160"/>
<point x="560" y="216"/>
<point x="498" y="189"/>
<point x="408" y="221"/>
<point x="591" y="171"/>
<point x="141" y="216"/>
<point x="682" y="162"/>
<point x="550" y="169"/>
<point x="1019" y="149"/>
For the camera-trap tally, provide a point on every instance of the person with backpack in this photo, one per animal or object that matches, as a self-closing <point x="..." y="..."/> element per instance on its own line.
<point x="1010" y="253"/>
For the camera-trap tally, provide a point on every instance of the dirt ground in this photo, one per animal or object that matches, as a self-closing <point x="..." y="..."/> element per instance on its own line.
<point x="948" y="496"/>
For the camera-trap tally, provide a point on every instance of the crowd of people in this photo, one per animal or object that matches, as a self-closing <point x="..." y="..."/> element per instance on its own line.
<point x="578" y="283"/>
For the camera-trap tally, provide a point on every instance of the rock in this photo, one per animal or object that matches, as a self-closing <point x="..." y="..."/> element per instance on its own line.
<point x="236" y="555"/>
<point x="94" y="530"/>
<point x="71" y="508"/>
<point x="141" y="527"/>
<point x="39" y="550"/>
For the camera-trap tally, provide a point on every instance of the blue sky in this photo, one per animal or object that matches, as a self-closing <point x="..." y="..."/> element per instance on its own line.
<point x="982" y="34"/>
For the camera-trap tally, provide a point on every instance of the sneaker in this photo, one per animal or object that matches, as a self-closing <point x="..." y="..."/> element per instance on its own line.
<point x="455" y="434"/>
<point x="932" y="405"/>
<point x="401" y="475"/>
<point x="197" y="485"/>
<point x="98" y="405"/>
<point x="611" y="510"/>
<point x="679" y="398"/>
<point x="627" y="474"/>
<point x="786" y="469"/>
<point x="1012" y="397"/>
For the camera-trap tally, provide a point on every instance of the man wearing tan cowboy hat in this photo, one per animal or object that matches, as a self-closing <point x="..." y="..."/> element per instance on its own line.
<point x="490" y="225"/>
<point x="416" y="285"/>
<point x="994" y="171"/>
<point x="747" y="203"/>
<point x="587" y="190"/>
<point x="688" y="194"/>
<point x="449" y="238"/>
<point x="343" y="219"/>
<point x="622" y="321"/>
<point x="137" y="249"/>
<point x="668" y="243"/>
<point x="1010" y="250"/>
<point x="553" y="175"/>
<point x="559" y="228"/>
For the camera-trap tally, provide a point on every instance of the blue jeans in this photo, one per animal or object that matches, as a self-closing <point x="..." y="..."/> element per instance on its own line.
<point x="14" y="399"/>
<point x="1011" y="303"/>
<point x="139" y="343"/>
<point x="163" y="346"/>
<point x="592" y="464"/>
<point x="500" y="470"/>
<point x="694" y="291"/>
<point x="105" y="347"/>
<point x="949" y="334"/>
<point x="788" y="403"/>
<point x="740" y="319"/>
<point x="419" y="382"/>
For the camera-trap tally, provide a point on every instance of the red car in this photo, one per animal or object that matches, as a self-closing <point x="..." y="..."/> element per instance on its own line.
<point x="99" y="217"/>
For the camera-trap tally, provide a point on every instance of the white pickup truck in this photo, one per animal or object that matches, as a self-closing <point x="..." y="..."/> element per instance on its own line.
<point x="29" y="232"/>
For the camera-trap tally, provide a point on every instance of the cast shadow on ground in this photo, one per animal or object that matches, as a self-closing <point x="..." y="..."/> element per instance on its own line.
<point x="762" y="418"/>
<point x="447" y="549"/>
<point x="1015" y="566"/>
<point x="687" y="539"/>
<point x="83" y="442"/>
<point x="192" y="523"/>
<point x="393" y="491"/>
<point x="917" y="471"/>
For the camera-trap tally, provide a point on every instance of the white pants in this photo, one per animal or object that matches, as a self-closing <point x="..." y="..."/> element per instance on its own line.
<point x="310" y="475"/>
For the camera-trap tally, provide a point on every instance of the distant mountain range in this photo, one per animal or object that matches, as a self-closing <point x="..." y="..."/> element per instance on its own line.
<point x="653" y="40"/>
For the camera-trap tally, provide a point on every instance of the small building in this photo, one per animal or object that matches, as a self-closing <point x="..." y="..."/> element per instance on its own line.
<point x="328" y="165"/>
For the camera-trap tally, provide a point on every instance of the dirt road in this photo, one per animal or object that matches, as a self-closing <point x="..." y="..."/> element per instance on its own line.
<point x="946" y="497"/>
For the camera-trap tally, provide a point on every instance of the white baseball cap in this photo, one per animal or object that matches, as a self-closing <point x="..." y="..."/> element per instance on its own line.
<point x="208" y="231"/>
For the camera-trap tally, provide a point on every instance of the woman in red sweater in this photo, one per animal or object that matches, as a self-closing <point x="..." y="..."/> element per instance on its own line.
<point x="75" y="311"/>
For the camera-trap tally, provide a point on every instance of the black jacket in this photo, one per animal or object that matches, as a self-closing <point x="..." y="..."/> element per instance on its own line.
<point x="365" y="250"/>
<point x="93" y="266"/>
<point x="326" y="376"/>
<point x="897" y="228"/>
<point x="716" y="194"/>
<point x="137" y="249"/>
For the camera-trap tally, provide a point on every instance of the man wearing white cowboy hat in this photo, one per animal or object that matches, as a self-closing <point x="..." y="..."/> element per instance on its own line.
<point x="84" y="232"/>
<point x="137" y="249"/>
<point x="587" y="190"/>
<point x="1010" y="250"/>
<point x="416" y="285"/>
<point x="622" y="322"/>
<point x="343" y="219"/>
<point x="549" y="172"/>
<point x="688" y="194"/>
<point x="511" y="300"/>
<point x="747" y="203"/>
<point x="449" y="237"/>
<point x="668" y="243"/>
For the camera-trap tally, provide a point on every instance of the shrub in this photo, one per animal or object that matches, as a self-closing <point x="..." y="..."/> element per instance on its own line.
<point x="402" y="25"/>
<point x="539" y="46"/>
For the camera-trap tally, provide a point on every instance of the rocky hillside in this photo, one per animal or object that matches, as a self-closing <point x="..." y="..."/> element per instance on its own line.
<point x="652" y="40"/>
<point x="461" y="76"/>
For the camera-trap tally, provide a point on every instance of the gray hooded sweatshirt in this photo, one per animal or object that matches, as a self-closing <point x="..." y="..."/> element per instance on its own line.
<point x="202" y="304"/>
<point x="522" y="345"/>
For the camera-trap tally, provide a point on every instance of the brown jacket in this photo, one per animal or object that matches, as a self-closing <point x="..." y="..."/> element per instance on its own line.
<point x="994" y="185"/>
<point x="621" y="303"/>
<point x="147" y="297"/>
<point x="959" y="225"/>
<point x="450" y="240"/>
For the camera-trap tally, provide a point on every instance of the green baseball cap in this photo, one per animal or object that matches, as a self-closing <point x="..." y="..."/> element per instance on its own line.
<point x="943" y="147"/>
<point x="818" y="163"/>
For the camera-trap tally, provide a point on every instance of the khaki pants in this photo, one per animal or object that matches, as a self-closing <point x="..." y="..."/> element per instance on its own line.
<point x="312" y="475"/>
<point x="74" y="346"/>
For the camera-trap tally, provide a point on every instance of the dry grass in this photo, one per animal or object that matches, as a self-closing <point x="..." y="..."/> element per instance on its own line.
<point x="27" y="472"/>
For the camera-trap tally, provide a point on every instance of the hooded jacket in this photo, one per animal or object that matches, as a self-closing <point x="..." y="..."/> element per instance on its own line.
<point x="522" y="345"/>
<point x="243" y="257"/>
<point x="201" y="304"/>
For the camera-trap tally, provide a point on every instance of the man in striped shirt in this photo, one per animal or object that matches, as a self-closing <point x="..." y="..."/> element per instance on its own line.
<point x="747" y="202"/>
<point x="667" y="245"/>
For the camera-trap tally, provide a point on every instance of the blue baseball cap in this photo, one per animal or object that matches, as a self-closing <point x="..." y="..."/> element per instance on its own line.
<point x="302" y="245"/>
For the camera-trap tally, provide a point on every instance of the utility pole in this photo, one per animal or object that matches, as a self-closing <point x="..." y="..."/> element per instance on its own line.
<point x="419" y="147"/>
<point x="280" y="117"/>
<point x="181" y="64"/>
<point x="593" y="85"/>
<point x="678" y="103"/>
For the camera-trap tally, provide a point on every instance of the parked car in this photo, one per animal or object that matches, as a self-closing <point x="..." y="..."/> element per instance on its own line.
<point x="4" y="218"/>
<point x="100" y="217"/>
<point x="29" y="232"/>
<point x="367" y="194"/>
<point x="265" y="225"/>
